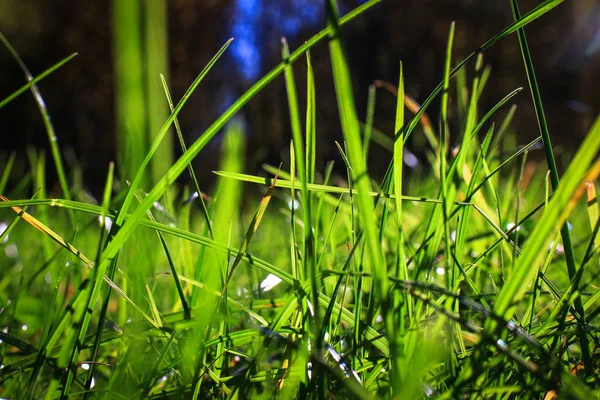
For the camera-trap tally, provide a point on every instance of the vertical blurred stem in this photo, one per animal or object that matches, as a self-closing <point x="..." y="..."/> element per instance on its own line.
<point x="156" y="46"/>
<point x="129" y="87"/>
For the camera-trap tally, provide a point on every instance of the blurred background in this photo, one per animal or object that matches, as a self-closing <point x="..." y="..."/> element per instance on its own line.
<point x="113" y="85"/>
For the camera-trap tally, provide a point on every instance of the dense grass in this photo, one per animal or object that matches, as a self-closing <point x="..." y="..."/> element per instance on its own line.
<point x="471" y="284"/>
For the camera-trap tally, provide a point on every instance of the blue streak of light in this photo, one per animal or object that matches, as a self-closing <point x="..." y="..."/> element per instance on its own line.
<point x="249" y="22"/>
<point x="245" y="49"/>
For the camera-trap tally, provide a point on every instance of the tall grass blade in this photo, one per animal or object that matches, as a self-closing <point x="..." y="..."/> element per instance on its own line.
<point x="554" y="179"/>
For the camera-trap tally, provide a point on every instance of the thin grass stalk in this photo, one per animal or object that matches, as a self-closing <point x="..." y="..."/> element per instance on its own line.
<point x="311" y="121"/>
<point x="368" y="127"/>
<point x="554" y="180"/>
<point x="402" y="304"/>
<point x="447" y="194"/>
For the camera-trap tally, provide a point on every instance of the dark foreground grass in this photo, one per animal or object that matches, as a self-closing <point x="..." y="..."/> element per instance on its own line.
<point x="471" y="285"/>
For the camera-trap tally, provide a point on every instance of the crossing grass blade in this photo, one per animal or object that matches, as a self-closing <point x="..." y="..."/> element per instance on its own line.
<point x="593" y="209"/>
<point x="35" y="80"/>
<point x="184" y="149"/>
<point x="165" y="129"/>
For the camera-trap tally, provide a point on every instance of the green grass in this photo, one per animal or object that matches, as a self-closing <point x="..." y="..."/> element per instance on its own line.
<point x="460" y="279"/>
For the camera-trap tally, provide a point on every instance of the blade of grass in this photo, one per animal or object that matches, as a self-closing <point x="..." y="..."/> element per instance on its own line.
<point x="106" y="197"/>
<point x="311" y="121"/>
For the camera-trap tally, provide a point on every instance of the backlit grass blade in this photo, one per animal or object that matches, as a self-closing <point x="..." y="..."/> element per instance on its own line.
<point x="311" y="121"/>
<point x="315" y="187"/>
<point x="414" y="107"/>
<point x="402" y="305"/>
<point x="445" y="195"/>
<point x="398" y="156"/>
<point x="593" y="209"/>
<point x="554" y="179"/>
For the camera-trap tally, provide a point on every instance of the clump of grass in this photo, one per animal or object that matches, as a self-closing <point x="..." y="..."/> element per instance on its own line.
<point x="472" y="285"/>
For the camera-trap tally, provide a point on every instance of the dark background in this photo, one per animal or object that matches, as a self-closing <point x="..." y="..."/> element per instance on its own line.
<point x="565" y="45"/>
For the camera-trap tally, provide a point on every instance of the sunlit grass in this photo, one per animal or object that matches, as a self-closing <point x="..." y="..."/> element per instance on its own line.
<point x="295" y="283"/>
